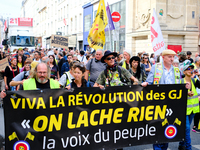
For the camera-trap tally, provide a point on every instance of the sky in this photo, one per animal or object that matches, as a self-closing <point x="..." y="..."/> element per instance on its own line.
<point x="10" y="8"/>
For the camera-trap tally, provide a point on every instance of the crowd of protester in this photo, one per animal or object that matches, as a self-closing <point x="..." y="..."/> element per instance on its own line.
<point x="58" y="68"/>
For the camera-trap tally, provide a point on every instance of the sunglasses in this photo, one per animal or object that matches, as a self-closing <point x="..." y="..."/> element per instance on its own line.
<point x="189" y="69"/>
<point x="109" y="58"/>
<point x="145" y="58"/>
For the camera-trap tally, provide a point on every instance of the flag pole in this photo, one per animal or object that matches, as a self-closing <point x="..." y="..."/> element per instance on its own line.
<point x="109" y="31"/>
<point x="110" y="39"/>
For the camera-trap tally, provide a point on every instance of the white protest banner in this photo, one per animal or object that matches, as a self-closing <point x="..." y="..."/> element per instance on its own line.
<point x="157" y="40"/>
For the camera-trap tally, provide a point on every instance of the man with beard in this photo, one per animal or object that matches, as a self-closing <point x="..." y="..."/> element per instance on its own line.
<point x="40" y="79"/>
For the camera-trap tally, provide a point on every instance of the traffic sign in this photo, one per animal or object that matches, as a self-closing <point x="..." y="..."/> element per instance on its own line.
<point x="116" y="16"/>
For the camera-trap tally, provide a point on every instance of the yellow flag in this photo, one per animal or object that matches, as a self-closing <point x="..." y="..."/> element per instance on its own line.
<point x="12" y="136"/>
<point x="164" y="122"/>
<point x="96" y="37"/>
<point x="199" y="125"/>
<point x="177" y="121"/>
<point x="30" y="136"/>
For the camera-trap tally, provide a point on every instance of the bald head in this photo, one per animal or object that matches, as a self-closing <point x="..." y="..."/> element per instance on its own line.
<point x="42" y="73"/>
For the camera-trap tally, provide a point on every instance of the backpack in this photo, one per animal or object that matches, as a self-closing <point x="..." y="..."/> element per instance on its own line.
<point x="25" y="76"/>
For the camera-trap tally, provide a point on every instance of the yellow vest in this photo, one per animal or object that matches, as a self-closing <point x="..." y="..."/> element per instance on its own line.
<point x="159" y="71"/>
<point x="124" y="64"/>
<point x="69" y="80"/>
<point x="30" y="84"/>
<point x="192" y="102"/>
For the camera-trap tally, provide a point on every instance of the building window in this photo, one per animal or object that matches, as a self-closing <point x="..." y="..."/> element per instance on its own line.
<point x="71" y="23"/>
<point x="193" y="14"/>
<point x="61" y="14"/>
<point x="75" y="23"/>
<point x="81" y="22"/>
<point x="87" y="22"/>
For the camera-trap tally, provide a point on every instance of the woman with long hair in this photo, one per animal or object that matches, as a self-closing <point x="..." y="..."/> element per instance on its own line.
<point x="2" y="55"/>
<point x="54" y="67"/>
<point x="152" y="59"/>
<point x="136" y="69"/>
<point x="19" y="79"/>
<point x="146" y="64"/>
<point x="19" y="62"/>
<point x="78" y="73"/>
<point x="10" y="72"/>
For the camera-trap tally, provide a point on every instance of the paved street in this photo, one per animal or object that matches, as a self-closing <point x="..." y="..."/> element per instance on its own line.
<point x="172" y="146"/>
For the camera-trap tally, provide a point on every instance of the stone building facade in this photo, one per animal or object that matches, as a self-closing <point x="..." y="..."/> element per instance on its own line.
<point x="179" y="22"/>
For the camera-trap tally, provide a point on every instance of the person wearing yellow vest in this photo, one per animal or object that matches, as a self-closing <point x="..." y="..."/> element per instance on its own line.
<point x="192" y="102"/>
<point x="163" y="73"/>
<point x="67" y="77"/>
<point x="127" y="57"/>
<point x="196" y="127"/>
<point x="40" y="79"/>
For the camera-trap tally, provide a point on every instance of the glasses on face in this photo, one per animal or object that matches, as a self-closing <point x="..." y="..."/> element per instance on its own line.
<point x="40" y="73"/>
<point x="109" y="58"/>
<point x="145" y="58"/>
<point x="189" y="69"/>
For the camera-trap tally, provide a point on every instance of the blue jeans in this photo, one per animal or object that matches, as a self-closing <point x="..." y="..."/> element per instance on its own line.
<point x="187" y="142"/>
<point x="162" y="146"/>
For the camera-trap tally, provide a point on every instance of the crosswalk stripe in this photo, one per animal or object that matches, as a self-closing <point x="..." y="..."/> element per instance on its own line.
<point x="196" y="146"/>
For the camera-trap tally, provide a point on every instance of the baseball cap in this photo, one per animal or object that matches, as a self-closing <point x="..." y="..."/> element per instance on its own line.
<point x="20" y="49"/>
<point x="181" y="53"/>
<point x="186" y="64"/>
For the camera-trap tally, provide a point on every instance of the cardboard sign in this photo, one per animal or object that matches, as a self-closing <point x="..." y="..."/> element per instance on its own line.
<point x="59" y="41"/>
<point x="3" y="64"/>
